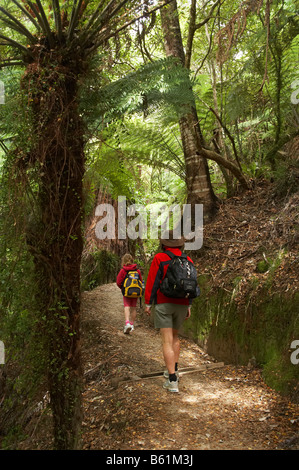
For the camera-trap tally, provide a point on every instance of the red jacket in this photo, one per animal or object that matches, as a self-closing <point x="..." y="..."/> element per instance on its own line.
<point x="122" y="273"/>
<point x="156" y="274"/>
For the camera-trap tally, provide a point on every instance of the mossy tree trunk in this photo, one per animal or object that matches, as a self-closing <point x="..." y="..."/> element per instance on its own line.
<point x="55" y="236"/>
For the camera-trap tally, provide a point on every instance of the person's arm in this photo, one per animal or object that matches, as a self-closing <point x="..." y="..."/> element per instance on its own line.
<point x="188" y="313"/>
<point x="120" y="278"/>
<point x="148" y="309"/>
<point x="152" y="283"/>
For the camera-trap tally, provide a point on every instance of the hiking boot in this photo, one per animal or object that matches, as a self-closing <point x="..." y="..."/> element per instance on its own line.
<point x="171" y="386"/>
<point x="166" y="374"/>
<point x="127" y="328"/>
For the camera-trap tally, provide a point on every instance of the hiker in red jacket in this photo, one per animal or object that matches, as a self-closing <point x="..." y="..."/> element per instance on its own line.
<point x="170" y="313"/>
<point x="129" y="303"/>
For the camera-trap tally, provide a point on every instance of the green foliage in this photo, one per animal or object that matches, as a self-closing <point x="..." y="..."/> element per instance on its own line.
<point x="19" y="314"/>
<point x="256" y="111"/>
<point x="153" y="141"/>
<point x="99" y="267"/>
<point x="253" y="84"/>
<point x="19" y="300"/>
<point x="162" y="81"/>
<point x="286" y="177"/>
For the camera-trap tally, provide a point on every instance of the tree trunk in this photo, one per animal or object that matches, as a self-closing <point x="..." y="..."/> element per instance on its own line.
<point x="55" y="238"/>
<point x="199" y="188"/>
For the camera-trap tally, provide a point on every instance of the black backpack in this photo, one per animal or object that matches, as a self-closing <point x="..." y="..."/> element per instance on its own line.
<point x="180" y="280"/>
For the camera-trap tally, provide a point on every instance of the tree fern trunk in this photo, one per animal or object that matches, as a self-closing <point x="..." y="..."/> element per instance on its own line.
<point x="56" y="237"/>
<point x="199" y="188"/>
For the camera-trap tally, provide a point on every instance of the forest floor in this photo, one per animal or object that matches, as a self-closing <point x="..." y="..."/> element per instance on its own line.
<point x="227" y="408"/>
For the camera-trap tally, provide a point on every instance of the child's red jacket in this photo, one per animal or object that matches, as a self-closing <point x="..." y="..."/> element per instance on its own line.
<point x="123" y="272"/>
<point x="156" y="274"/>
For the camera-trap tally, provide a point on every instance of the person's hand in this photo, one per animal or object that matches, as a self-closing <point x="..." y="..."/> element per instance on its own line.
<point x="148" y="310"/>
<point x="188" y="313"/>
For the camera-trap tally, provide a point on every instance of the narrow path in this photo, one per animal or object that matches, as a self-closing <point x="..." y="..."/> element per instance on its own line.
<point x="227" y="408"/>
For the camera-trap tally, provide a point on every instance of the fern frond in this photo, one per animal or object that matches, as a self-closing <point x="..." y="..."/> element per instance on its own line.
<point x="160" y="81"/>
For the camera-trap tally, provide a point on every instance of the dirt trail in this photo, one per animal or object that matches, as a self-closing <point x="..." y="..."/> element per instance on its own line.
<point x="226" y="409"/>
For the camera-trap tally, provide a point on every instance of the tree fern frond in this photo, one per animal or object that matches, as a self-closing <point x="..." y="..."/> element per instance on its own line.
<point x="94" y="16"/>
<point x="11" y="63"/>
<point x="40" y="19"/>
<point x="57" y="17"/>
<point x="106" y="15"/>
<point x="17" y="25"/>
<point x="26" y="13"/>
<point x="102" y="18"/>
<point x="12" y="42"/>
<point x="127" y="21"/>
<point x="45" y="21"/>
<point x="74" y="18"/>
<point x="160" y="81"/>
<point x="153" y="143"/>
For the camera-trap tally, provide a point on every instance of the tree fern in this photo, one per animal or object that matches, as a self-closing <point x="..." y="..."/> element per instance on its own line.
<point x="54" y="42"/>
<point x="160" y="81"/>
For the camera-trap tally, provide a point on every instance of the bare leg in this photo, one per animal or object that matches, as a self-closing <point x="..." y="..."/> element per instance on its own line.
<point x="133" y="314"/>
<point x="170" y="348"/>
<point x="127" y="314"/>
<point x="176" y="345"/>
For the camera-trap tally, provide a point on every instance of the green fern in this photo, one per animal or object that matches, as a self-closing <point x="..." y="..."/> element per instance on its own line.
<point x="160" y="81"/>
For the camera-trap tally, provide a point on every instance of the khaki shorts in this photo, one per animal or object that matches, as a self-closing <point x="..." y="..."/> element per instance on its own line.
<point x="170" y="315"/>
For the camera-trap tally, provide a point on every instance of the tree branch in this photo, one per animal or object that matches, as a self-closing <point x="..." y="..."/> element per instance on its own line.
<point x="10" y="64"/>
<point x="94" y="16"/>
<point x="193" y="27"/>
<point x="191" y="31"/>
<point x="74" y="19"/>
<point x="103" y="19"/>
<point x="45" y="21"/>
<point x="228" y="135"/>
<point x="210" y="15"/>
<point x="210" y="155"/>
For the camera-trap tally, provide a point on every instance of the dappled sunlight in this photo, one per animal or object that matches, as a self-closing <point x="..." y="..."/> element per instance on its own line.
<point x="225" y="408"/>
<point x="230" y="393"/>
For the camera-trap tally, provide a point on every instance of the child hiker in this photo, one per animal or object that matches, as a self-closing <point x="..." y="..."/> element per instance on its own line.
<point x="129" y="302"/>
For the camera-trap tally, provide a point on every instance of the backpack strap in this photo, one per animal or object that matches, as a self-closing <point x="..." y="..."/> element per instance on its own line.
<point x="172" y="255"/>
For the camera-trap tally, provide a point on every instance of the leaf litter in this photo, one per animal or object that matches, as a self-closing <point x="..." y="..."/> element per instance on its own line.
<point x="230" y="408"/>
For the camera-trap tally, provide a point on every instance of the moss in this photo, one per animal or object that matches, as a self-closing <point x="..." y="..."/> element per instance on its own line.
<point x="234" y="327"/>
<point x="262" y="266"/>
<point x="274" y="370"/>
